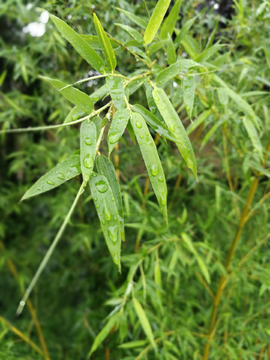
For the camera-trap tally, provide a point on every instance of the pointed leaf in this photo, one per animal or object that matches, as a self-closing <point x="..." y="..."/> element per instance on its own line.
<point x="152" y="105"/>
<point x="132" y="32"/>
<point x="253" y="135"/>
<point x="61" y="173"/>
<point x="74" y="114"/>
<point x="105" y="44"/>
<point x="107" y="213"/>
<point x="93" y="40"/>
<point x="171" y="55"/>
<point x="181" y="35"/>
<point x="174" y="123"/>
<point x="116" y="88"/>
<point x="200" y="119"/>
<point x="205" y="55"/>
<point x="100" y="93"/>
<point x="191" y="46"/>
<point x="79" y="44"/>
<point x="88" y="148"/>
<point x="136" y="19"/>
<point x="189" y="93"/>
<point x="170" y="21"/>
<point x="223" y="96"/>
<point x="106" y="168"/>
<point x="155" y="20"/>
<point x="156" y="46"/>
<point x="151" y="159"/>
<point x="117" y="128"/>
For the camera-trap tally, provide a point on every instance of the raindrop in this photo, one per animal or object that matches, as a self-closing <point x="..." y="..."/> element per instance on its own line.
<point x="49" y="182"/>
<point x="61" y="176"/>
<point x="101" y="186"/>
<point x="160" y="179"/>
<point x="107" y="213"/>
<point x="88" y="162"/>
<point x="138" y="124"/>
<point x="114" y="137"/>
<point x="113" y="232"/>
<point x="154" y="170"/>
<point x="88" y="141"/>
<point x="163" y="199"/>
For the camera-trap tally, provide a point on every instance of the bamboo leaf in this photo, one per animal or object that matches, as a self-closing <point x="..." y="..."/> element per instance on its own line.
<point x="74" y="114"/>
<point x="136" y="19"/>
<point x="171" y="55"/>
<point x="116" y="88"/>
<point x="155" y="20"/>
<point x="156" y="46"/>
<point x="132" y="32"/>
<point x="223" y="96"/>
<point x="151" y="159"/>
<point x="200" y="119"/>
<point x="100" y="93"/>
<point x="144" y="321"/>
<point x="79" y="44"/>
<point x="61" y="173"/>
<point x="108" y="214"/>
<point x="93" y="40"/>
<point x="75" y="96"/>
<point x="170" y="21"/>
<point x="106" y="168"/>
<point x="220" y="60"/>
<point x="189" y="93"/>
<point x="88" y="148"/>
<point x="191" y="46"/>
<point x="205" y="55"/>
<point x="132" y="344"/>
<point x="105" y="44"/>
<point x="181" y="35"/>
<point x="117" y="128"/>
<point x="253" y="135"/>
<point x="174" y="123"/>
<point x="152" y="105"/>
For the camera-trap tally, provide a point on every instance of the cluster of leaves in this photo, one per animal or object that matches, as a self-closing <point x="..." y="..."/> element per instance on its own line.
<point x="173" y="280"/>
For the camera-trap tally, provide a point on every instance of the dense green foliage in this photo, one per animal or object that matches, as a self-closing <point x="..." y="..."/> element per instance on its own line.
<point x="194" y="281"/>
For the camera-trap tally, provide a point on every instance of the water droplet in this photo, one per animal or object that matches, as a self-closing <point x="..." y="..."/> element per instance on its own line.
<point x="138" y="124"/>
<point x="154" y="170"/>
<point x="61" y="176"/>
<point x="101" y="186"/>
<point x="112" y="198"/>
<point x="97" y="206"/>
<point x="163" y="199"/>
<point x="49" y="182"/>
<point x="160" y="179"/>
<point x="114" y="137"/>
<point x="88" y="141"/>
<point x="118" y="98"/>
<point x="188" y="108"/>
<point x="88" y="161"/>
<point x="95" y="199"/>
<point x="141" y="136"/>
<point x="115" y="218"/>
<point x="103" y="221"/>
<point x="107" y="213"/>
<point x="113" y="233"/>
<point x="172" y="127"/>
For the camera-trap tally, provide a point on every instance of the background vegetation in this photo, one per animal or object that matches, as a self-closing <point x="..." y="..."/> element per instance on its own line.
<point x="203" y="281"/>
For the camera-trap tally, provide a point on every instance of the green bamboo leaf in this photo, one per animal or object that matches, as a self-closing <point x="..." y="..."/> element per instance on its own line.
<point x="189" y="93"/>
<point x="152" y="105"/>
<point x="223" y="96"/>
<point x="171" y="55"/>
<point x="174" y="123"/>
<point x="206" y="54"/>
<point x="61" y="173"/>
<point x="131" y="132"/>
<point x="213" y="129"/>
<point x="116" y="88"/>
<point x="108" y="214"/>
<point x="191" y="46"/>
<point x="220" y="60"/>
<point x="97" y="121"/>
<point x="174" y="70"/>
<point x="133" y="86"/>
<point x="136" y="19"/>
<point x="105" y="44"/>
<point x="117" y="128"/>
<point x="154" y="122"/>
<point x="151" y="160"/>
<point x="75" y="96"/>
<point x="155" y="20"/>
<point x="132" y="32"/>
<point x="79" y="44"/>
<point x="133" y="344"/>
<point x="170" y="21"/>
<point x="253" y="135"/>
<point x="93" y="40"/>
<point x="212" y="36"/>
<point x="74" y="114"/>
<point x="88" y="141"/>
<point x="100" y="93"/>
<point x="106" y="168"/>
<point x="182" y="33"/>
<point x="200" y="119"/>
<point x="156" y="46"/>
<point x="144" y="321"/>
<point x="104" y="333"/>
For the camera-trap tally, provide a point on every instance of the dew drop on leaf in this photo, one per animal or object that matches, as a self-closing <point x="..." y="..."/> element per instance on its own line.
<point x="88" y="162"/>
<point x="113" y="232"/>
<point x="138" y="124"/>
<point x="88" y="141"/>
<point x="101" y="186"/>
<point x="61" y="176"/>
<point x="154" y="170"/>
<point x="49" y="182"/>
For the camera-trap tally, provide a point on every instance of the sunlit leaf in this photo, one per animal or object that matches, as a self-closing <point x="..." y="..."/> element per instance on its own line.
<point x="117" y="128"/>
<point x="133" y="344"/>
<point x="88" y="148"/>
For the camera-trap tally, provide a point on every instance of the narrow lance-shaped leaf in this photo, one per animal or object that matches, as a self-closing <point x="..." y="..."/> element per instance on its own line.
<point x="132" y="32"/>
<point x="151" y="159"/>
<point x="200" y="119"/>
<point x="79" y="44"/>
<point x="189" y="93"/>
<point x="181" y="35"/>
<point x="75" y="96"/>
<point x="174" y="123"/>
<point x="223" y="96"/>
<point x="117" y="128"/>
<point x="171" y="55"/>
<point x="105" y="44"/>
<point x="106" y="168"/>
<point x="253" y="135"/>
<point x="191" y="46"/>
<point x="74" y="114"/>
<point x="108" y="214"/>
<point x="88" y="148"/>
<point x="144" y="321"/>
<point x="152" y="105"/>
<point x="155" y="20"/>
<point x="170" y="21"/>
<point x="61" y="173"/>
<point x="136" y="19"/>
<point x="94" y="42"/>
<point x="116" y="88"/>
<point x="100" y="93"/>
<point x="205" y="55"/>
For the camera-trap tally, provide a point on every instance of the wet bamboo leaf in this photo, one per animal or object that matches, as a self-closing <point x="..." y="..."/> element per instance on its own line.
<point x="253" y="135"/>
<point x="61" y="173"/>
<point x="116" y="88"/>
<point x="191" y="46"/>
<point x="181" y="35"/>
<point x="79" y="44"/>
<point x="136" y="19"/>
<point x="132" y="32"/>
<point x="223" y="96"/>
<point x="105" y="44"/>
<point x="144" y="321"/>
<point x="200" y="119"/>
<point x="189" y="93"/>
<point x="171" y="55"/>
<point x="151" y="160"/>
<point x="97" y="121"/>
<point x="104" y="333"/>
<point x="133" y="86"/>
<point x="117" y="128"/>
<point x="152" y="105"/>
<point x="94" y="42"/>
<point x="106" y="168"/>
<point x="74" y="114"/>
<point x="156" y="46"/>
<point x="174" y="123"/>
<point x="131" y="132"/>
<point x="154" y="122"/>
<point x="88" y="148"/>
<point x="205" y="55"/>
<point x="174" y="70"/>
<point x="108" y="214"/>
<point x="100" y="93"/>
<point x="170" y="21"/>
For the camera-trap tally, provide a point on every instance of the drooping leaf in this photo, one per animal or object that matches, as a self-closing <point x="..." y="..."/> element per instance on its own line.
<point x="151" y="159"/>
<point x="189" y="93"/>
<point x="181" y="35"/>
<point x="253" y="135"/>
<point x="116" y="88"/>
<point x="206" y="54"/>
<point x="144" y="321"/>
<point x="132" y="32"/>
<point x="108" y="214"/>
<point x="171" y="55"/>
<point x="75" y="96"/>
<point x="200" y="119"/>
<point x="117" y="128"/>
<point x="88" y="148"/>
<point x="106" y="168"/>
<point x="174" y="123"/>
<point x="61" y="173"/>
<point x="105" y="44"/>
<point x="136" y="19"/>
<point x="79" y="44"/>
<point x="170" y="21"/>
<point x="155" y="20"/>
